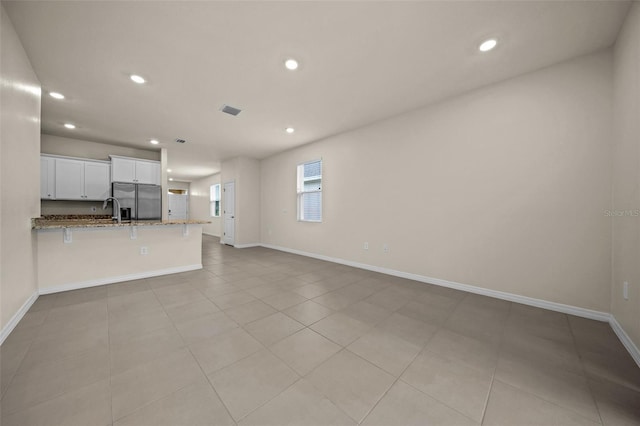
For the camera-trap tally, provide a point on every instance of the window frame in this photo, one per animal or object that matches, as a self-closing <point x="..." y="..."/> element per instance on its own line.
<point x="214" y="200"/>
<point x="300" y="180"/>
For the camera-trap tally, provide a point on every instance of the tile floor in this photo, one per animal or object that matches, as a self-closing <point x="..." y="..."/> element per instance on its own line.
<point x="260" y="337"/>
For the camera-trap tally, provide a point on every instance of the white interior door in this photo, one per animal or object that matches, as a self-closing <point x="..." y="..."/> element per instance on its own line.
<point x="229" y="206"/>
<point x="177" y="206"/>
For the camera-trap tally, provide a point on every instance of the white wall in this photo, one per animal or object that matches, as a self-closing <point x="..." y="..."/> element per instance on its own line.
<point x="626" y="176"/>
<point x="248" y="201"/>
<point x="164" y="179"/>
<point x="58" y="145"/>
<point x="199" y="204"/>
<point x="178" y="185"/>
<point x="19" y="176"/>
<point x="502" y="188"/>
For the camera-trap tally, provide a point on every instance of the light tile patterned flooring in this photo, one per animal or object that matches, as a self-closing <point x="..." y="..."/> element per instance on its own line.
<point x="264" y="337"/>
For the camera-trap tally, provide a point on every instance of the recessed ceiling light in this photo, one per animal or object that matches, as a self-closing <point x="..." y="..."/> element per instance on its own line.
<point x="291" y="64"/>
<point x="56" y="95"/>
<point x="154" y="142"/>
<point x="169" y="170"/>
<point x="137" y="79"/>
<point x="170" y="178"/>
<point x="289" y="130"/>
<point x="487" y="45"/>
<point x="69" y="126"/>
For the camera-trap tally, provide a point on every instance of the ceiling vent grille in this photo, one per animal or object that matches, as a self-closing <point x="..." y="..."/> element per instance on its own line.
<point x="230" y="110"/>
<point x="180" y="140"/>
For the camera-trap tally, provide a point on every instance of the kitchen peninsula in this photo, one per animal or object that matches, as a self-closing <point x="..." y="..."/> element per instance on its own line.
<point x="77" y="252"/>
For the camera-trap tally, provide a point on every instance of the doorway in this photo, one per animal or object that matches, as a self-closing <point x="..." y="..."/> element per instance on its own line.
<point x="178" y="206"/>
<point x="229" y="206"/>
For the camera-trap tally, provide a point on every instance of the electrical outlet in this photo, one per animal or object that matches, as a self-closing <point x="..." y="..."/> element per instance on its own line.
<point x="144" y="250"/>
<point x="625" y="290"/>
<point x="385" y="248"/>
<point x="365" y="246"/>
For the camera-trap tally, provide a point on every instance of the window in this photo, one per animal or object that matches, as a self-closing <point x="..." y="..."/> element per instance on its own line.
<point x="310" y="191"/>
<point x="214" y="199"/>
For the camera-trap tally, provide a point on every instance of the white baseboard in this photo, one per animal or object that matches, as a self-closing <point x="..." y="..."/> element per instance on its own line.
<point x="553" y="306"/>
<point x="211" y="235"/>
<point x="15" y="319"/>
<point x="248" y="245"/>
<point x="119" y="278"/>
<point x="625" y="339"/>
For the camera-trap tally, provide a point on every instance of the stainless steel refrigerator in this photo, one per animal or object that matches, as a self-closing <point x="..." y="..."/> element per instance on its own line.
<point x="145" y="201"/>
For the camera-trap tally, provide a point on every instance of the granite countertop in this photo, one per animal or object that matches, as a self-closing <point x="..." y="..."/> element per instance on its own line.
<point x="99" y="221"/>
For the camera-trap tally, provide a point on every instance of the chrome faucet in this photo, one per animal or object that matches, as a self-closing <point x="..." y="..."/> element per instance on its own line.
<point x="116" y="208"/>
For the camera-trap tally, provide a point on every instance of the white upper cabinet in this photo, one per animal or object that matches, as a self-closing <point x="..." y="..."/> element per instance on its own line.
<point x="123" y="170"/>
<point x="69" y="179"/>
<point x="148" y="172"/>
<point x="131" y="170"/>
<point x="97" y="185"/>
<point x="74" y="179"/>
<point x="47" y="178"/>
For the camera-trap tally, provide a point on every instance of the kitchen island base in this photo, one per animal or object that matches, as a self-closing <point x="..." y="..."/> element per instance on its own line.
<point x="81" y="257"/>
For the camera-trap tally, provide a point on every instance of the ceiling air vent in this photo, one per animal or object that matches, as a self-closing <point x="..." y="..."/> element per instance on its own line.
<point x="180" y="140"/>
<point x="230" y="110"/>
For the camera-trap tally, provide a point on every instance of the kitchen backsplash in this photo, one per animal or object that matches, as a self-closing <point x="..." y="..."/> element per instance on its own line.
<point x="57" y="207"/>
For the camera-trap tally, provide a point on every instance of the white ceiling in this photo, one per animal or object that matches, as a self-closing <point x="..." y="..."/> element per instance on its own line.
<point x="359" y="62"/>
